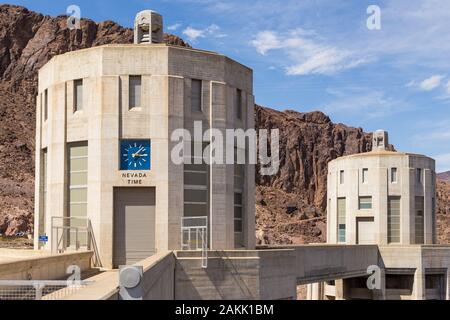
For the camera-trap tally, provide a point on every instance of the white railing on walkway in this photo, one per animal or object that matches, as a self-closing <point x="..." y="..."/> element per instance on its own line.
<point x="74" y="233"/>
<point x="194" y="236"/>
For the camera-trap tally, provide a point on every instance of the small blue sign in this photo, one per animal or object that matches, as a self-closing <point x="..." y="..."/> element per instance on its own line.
<point x="43" y="238"/>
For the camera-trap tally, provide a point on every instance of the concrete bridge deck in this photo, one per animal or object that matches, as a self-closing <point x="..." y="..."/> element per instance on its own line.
<point x="267" y="273"/>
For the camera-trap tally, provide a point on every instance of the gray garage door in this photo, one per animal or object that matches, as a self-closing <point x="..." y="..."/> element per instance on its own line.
<point x="134" y="225"/>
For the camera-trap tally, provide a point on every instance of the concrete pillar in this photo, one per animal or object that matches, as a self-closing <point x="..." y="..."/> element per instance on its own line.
<point x="332" y="208"/>
<point x="380" y="218"/>
<point x="412" y="206"/>
<point x="447" y="283"/>
<point x="163" y="100"/>
<point x="249" y="219"/>
<point x="218" y="172"/>
<point x="339" y="286"/>
<point x="57" y="158"/>
<point x="419" y="292"/>
<point x="428" y="192"/>
<point x="405" y="206"/>
<point x="309" y="291"/>
<point x="175" y="172"/>
<point x="352" y="202"/>
<point x="380" y="294"/>
<point x="315" y="291"/>
<point x="38" y="191"/>
<point x="102" y="94"/>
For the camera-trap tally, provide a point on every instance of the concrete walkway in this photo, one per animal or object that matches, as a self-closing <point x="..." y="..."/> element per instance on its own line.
<point x="11" y="255"/>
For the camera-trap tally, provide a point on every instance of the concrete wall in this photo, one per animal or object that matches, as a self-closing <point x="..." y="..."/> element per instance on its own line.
<point x="52" y="267"/>
<point x="314" y="263"/>
<point x="225" y="278"/>
<point x="159" y="277"/>
<point x="268" y="274"/>
<point x="422" y="260"/>
<point x="243" y="275"/>
<point x="158" y="281"/>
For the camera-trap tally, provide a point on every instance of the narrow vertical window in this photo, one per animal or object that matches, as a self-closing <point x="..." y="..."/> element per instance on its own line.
<point x="196" y="191"/>
<point x="45" y="104"/>
<point x="43" y="209"/>
<point x="238" y="104"/>
<point x="341" y="219"/>
<point x="419" y="175"/>
<point x="78" y="190"/>
<point x="433" y="219"/>
<point x="419" y="220"/>
<point x="341" y="177"/>
<point x="135" y="88"/>
<point x="394" y="220"/>
<point x="239" y="174"/>
<point x="78" y="95"/>
<point x="196" y="95"/>
<point x="393" y="175"/>
<point x="365" y="175"/>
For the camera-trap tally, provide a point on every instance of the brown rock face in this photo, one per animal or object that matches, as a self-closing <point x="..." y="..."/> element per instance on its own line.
<point x="443" y="211"/>
<point x="27" y="41"/>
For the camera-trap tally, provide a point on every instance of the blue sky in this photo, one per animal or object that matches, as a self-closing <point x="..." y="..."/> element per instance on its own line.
<point x="319" y="55"/>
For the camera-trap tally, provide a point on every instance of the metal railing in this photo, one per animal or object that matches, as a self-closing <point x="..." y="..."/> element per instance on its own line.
<point x="74" y="233"/>
<point x="38" y="289"/>
<point x="194" y="236"/>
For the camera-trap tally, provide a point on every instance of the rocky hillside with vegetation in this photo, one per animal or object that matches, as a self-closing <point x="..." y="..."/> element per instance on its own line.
<point x="290" y="206"/>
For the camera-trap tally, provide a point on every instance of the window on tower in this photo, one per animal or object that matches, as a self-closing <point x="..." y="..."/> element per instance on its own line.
<point x="78" y="95"/>
<point x="135" y="87"/>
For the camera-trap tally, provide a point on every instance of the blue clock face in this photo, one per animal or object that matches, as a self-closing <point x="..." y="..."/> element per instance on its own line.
<point x="135" y="154"/>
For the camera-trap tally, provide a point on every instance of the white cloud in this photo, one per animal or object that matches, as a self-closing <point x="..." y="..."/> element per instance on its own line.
<point x="265" y="41"/>
<point x="307" y="55"/>
<point x="212" y="31"/>
<point x="442" y="162"/>
<point x="447" y="87"/>
<point x="363" y="103"/>
<point x="431" y="83"/>
<point x="174" y="27"/>
<point x="192" y="34"/>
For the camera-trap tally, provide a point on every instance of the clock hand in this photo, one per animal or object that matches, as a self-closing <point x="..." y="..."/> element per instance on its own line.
<point x="134" y="155"/>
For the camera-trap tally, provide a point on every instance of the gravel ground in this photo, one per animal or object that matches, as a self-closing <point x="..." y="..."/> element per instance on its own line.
<point x="16" y="243"/>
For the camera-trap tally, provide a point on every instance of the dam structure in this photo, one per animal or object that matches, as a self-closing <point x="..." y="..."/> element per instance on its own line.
<point x="110" y="199"/>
